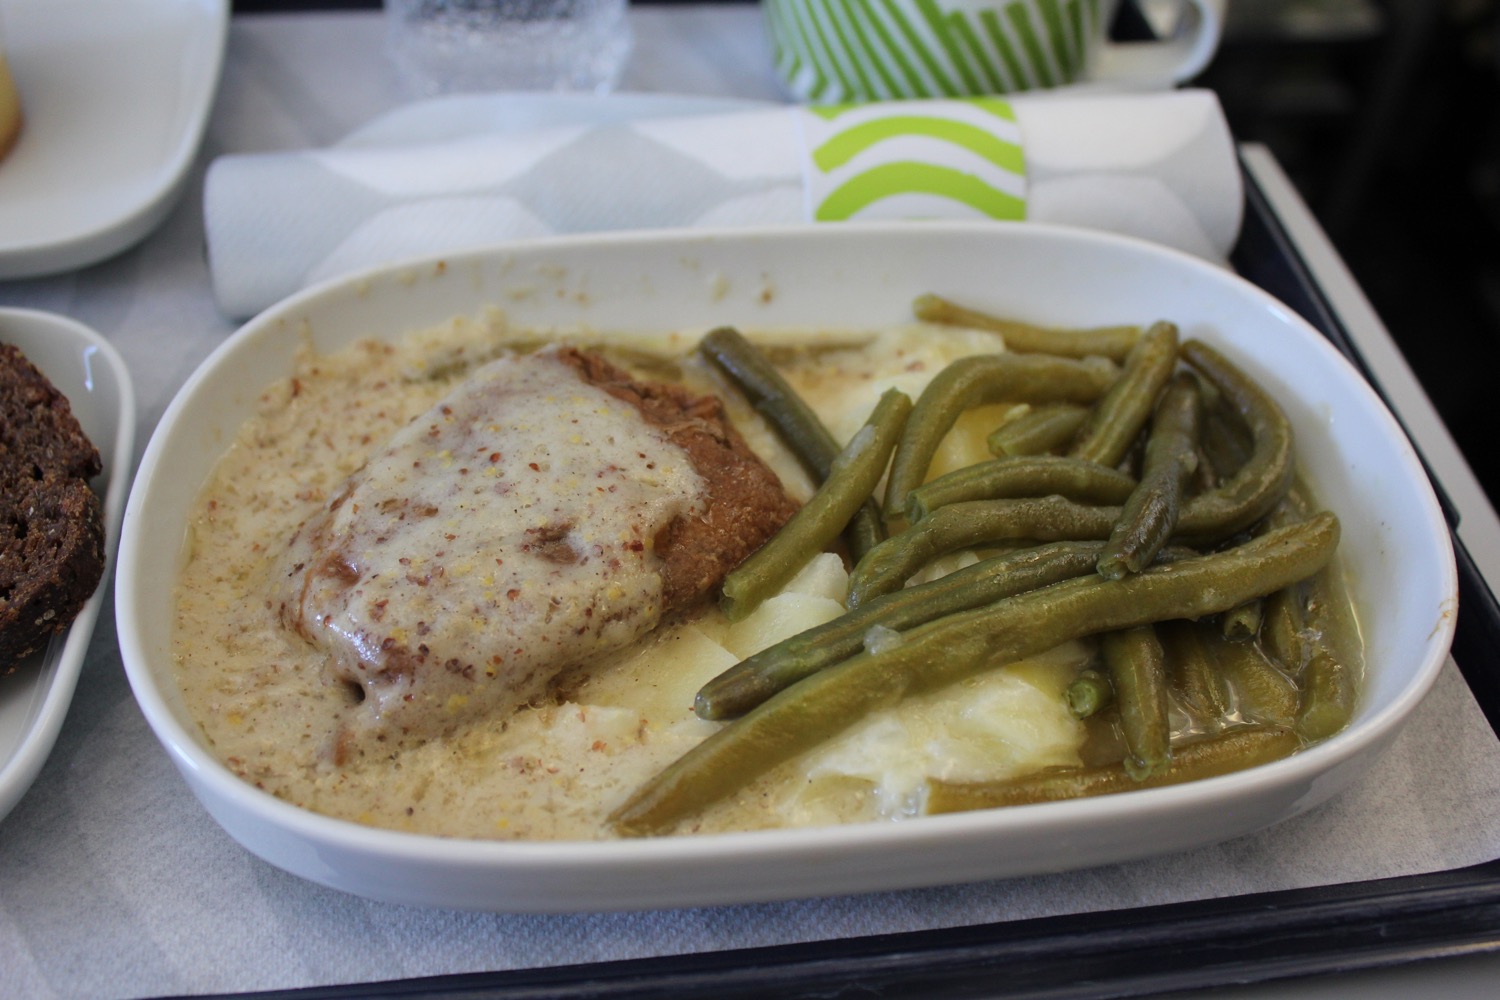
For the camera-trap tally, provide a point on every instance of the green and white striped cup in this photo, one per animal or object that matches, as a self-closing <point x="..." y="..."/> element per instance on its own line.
<point x="839" y="51"/>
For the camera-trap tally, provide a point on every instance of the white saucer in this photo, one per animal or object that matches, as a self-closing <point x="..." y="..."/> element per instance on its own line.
<point x="116" y="97"/>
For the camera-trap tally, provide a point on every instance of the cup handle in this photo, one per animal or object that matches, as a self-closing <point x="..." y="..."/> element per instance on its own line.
<point x="1166" y="62"/>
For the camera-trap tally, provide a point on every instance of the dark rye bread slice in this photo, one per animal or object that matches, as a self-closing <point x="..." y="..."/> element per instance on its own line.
<point x="51" y="522"/>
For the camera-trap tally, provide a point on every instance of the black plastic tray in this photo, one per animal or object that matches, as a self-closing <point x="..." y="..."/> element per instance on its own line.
<point x="1122" y="953"/>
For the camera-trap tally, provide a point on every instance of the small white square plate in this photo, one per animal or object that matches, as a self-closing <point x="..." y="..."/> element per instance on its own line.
<point x="115" y="98"/>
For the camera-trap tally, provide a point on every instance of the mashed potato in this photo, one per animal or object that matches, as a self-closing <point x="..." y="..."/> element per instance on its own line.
<point x="555" y="769"/>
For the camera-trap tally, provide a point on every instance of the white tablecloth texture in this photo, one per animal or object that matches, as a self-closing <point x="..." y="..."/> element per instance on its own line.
<point x="459" y="172"/>
<point x="115" y="883"/>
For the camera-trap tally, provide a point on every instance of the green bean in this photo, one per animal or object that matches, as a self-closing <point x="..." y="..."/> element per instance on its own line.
<point x="1118" y="417"/>
<point x="1243" y="622"/>
<point x="1208" y="518"/>
<point x="1138" y="674"/>
<point x="1224" y="445"/>
<point x="1330" y="687"/>
<point x="961" y="645"/>
<point x="1022" y="476"/>
<point x="771" y="396"/>
<point x="793" y="420"/>
<point x="1258" y="690"/>
<point x="1328" y="696"/>
<point x="972" y="524"/>
<point x="1206" y="758"/>
<point x="1112" y="342"/>
<point x="1040" y="429"/>
<point x="759" y="676"/>
<point x="852" y="477"/>
<point x="1151" y="511"/>
<point x="1088" y="694"/>
<point x="1302" y="632"/>
<point x="1283" y="613"/>
<point x="1281" y="629"/>
<point x="974" y="381"/>
<point x="1266" y="475"/>
<point x="1204" y="478"/>
<point x="1192" y="673"/>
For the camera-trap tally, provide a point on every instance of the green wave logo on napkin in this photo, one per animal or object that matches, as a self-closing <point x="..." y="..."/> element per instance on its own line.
<point x="845" y="50"/>
<point x="915" y="159"/>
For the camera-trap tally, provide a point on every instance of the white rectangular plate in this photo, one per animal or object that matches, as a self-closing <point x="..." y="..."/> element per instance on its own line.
<point x="116" y="97"/>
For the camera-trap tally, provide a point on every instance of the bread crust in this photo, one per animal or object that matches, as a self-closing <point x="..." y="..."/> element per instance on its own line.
<point x="51" y="521"/>
<point x="54" y="530"/>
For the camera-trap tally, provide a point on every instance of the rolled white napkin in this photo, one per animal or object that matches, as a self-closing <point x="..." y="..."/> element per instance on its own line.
<point x="454" y="176"/>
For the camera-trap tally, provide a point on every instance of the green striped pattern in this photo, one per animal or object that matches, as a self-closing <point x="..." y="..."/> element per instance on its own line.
<point x="835" y="51"/>
<point x="915" y="159"/>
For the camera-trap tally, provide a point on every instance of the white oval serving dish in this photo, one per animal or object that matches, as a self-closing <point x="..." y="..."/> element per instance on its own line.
<point x="1396" y="545"/>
